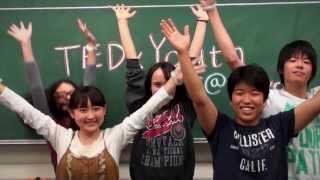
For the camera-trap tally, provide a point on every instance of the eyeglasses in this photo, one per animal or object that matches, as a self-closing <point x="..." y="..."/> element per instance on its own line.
<point x="62" y="94"/>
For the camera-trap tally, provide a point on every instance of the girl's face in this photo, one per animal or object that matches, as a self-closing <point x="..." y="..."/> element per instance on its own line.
<point x="298" y="70"/>
<point x="89" y="118"/>
<point x="62" y="96"/>
<point x="247" y="103"/>
<point x="157" y="80"/>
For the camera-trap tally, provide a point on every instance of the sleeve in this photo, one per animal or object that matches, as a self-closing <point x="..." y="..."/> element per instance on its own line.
<point x="287" y="121"/>
<point x="125" y="131"/>
<point x="212" y="138"/>
<point x="39" y="98"/>
<point x="43" y="124"/>
<point x="90" y="74"/>
<point x="135" y="91"/>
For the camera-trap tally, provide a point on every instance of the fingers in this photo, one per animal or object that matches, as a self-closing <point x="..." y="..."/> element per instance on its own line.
<point x="132" y="13"/>
<point x="198" y="7"/>
<point x="123" y="12"/>
<point x="172" y="25"/>
<point x="195" y="9"/>
<point x="186" y="30"/>
<point x="11" y="33"/>
<point x="13" y="28"/>
<point x="82" y="26"/>
<point x="29" y="26"/>
<point x="22" y="25"/>
<point x="165" y="28"/>
<point x="199" y="69"/>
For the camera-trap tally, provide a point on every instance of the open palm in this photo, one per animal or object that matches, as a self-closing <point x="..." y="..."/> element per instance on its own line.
<point x="179" y="41"/>
<point x="21" y="34"/>
<point x="123" y="12"/>
<point x="86" y="31"/>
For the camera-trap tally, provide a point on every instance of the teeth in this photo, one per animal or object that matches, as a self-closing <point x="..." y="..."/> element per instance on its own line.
<point x="246" y="108"/>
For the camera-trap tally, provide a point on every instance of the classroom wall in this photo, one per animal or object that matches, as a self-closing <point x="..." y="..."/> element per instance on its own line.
<point x="24" y="161"/>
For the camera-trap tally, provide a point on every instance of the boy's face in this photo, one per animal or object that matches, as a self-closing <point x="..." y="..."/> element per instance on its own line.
<point x="247" y="103"/>
<point x="297" y="69"/>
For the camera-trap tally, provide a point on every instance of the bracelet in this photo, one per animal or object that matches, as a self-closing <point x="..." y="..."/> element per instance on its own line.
<point x="90" y="48"/>
<point x="209" y="7"/>
<point x="203" y="20"/>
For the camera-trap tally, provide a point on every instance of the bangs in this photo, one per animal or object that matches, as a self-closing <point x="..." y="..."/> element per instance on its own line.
<point x="82" y="95"/>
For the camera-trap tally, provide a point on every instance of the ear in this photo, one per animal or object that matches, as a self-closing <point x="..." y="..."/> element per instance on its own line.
<point x="105" y="109"/>
<point x="71" y="113"/>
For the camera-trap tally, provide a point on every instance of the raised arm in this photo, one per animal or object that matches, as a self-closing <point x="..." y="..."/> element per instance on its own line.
<point x="306" y="112"/>
<point x="124" y="13"/>
<point x="200" y="32"/>
<point x="221" y="35"/>
<point x="23" y="35"/>
<point x="135" y="76"/>
<point x="43" y="124"/>
<point x="205" y="109"/>
<point x="89" y="77"/>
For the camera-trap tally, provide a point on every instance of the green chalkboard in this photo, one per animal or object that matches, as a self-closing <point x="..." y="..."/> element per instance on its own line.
<point x="259" y="28"/>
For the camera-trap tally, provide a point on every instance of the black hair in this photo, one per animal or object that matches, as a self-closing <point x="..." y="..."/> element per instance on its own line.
<point x="55" y="111"/>
<point x="82" y="94"/>
<point x="166" y="67"/>
<point x="253" y="75"/>
<point x="294" y="48"/>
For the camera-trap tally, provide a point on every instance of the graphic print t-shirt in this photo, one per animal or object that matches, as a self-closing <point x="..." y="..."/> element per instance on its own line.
<point x="251" y="152"/>
<point x="164" y="149"/>
<point x="303" y="151"/>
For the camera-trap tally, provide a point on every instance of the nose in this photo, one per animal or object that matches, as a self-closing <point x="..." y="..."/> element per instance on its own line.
<point x="90" y="114"/>
<point x="300" y="63"/>
<point x="246" y="98"/>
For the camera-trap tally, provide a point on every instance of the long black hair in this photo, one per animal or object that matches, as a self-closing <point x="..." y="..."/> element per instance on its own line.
<point x="166" y="67"/>
<point x="55" y="111"/>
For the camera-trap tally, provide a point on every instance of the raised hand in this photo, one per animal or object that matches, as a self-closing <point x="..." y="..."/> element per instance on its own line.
<point x="199" y="12"/>
<point x="207" y="2"/>
<point x="21" y="34"/>
<point x="180" y="42"/>
<point x="123" y="12"/>
<point x="91" y="40"/>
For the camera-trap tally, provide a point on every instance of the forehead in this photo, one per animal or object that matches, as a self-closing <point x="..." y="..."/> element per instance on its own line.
<point x="65" y="87"/>
<point x="244" y="86"/>
<point x="158" y="75"/>
<point x="299" y="54"/>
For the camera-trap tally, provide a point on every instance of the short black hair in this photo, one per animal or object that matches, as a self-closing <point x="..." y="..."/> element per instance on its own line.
<point x="293" y="48"/>
<point x="253" y="75"/>
<point x="82" y="94"/>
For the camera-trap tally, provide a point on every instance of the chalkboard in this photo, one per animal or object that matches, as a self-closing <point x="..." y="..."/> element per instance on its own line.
<point x="259" y="29"/>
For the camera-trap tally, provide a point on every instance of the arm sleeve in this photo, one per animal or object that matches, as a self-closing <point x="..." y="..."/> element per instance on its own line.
<point x="125" y="131"/>
<point x="287" y="122"/>
<point x="43" y="124"/>
<point x="90" y="74"/>
<point x="37" y="90"/>
<point x="135" y="91"/>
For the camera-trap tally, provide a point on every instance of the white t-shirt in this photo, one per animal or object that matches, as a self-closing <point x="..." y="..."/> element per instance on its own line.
<point x="304" y="150"/>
